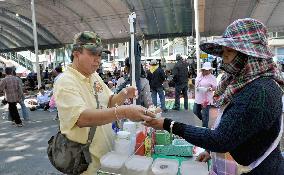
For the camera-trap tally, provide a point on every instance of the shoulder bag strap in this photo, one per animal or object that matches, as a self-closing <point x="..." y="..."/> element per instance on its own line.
<point x="93" y="129"/>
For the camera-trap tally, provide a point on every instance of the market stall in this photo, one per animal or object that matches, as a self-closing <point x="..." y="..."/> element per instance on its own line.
<point x="139" y="150"/>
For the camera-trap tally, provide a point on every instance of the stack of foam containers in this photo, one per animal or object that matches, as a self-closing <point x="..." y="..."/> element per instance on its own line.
<point x="163" y="166"/>
<point x="184" y="167"/>
<point x="122" y="143"/>
<point x="113" y="162"/>
<point x="132" y="129"/>
<point x="138" y="165"/>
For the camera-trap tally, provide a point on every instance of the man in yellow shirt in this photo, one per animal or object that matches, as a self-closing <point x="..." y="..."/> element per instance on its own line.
<point x="77" y="107"/>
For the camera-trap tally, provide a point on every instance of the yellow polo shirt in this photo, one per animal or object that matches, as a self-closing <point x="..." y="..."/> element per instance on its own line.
<point x="73" y="94"/>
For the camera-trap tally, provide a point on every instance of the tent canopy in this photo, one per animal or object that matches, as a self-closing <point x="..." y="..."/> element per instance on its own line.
<point x="59" y="20"/>
<point x="218" y="14"/>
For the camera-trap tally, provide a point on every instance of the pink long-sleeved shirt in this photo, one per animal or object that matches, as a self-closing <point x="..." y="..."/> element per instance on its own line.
<point x="204" y="81"/>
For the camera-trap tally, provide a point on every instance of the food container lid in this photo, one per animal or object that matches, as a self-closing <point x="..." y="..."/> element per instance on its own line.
<point x="139" y="163"/>
<point x="163" y="166"/>
<point x="113" y="160"/>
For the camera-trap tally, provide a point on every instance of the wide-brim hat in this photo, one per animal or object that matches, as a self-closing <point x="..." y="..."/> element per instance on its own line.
<point x="206" y="66"/>
<point x="90" y="41"/>
<point x="248" y="36"/>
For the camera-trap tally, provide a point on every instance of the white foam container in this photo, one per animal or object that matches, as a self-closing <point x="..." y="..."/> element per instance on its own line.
<point x="123" y="147"/>
<point x="138" y="165"/>
<point x="113" y="162"/>
<point x="185" y="167"/>
<point x="163" y="166"/>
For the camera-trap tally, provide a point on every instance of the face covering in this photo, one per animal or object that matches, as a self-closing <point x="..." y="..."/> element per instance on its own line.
<point x="237" y="64"/>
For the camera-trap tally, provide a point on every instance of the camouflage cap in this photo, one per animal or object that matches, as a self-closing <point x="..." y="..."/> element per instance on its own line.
<point x="89" y="40"/>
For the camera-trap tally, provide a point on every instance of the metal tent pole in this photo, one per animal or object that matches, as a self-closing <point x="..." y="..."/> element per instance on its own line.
<point x="35" y="43"/>
<point x="64" y="56"/>
<point x="108" y="55"/>
<point x="197" y="34"/>
<point x="131" y="20"/>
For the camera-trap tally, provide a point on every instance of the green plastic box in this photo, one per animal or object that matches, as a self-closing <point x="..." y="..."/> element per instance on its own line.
<point x="163" y="138"/>
<point x="179" y="147"/>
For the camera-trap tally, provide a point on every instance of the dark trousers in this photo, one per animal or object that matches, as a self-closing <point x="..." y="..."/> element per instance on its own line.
<point x="44" y="106"/>
<point x="14" y="112"/>
<point x="202" y="113"/>
<point x="181" y="89"/>
<point x="160" y="92"/>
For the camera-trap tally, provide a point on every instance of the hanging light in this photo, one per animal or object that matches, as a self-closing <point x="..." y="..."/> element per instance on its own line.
<point x="17" y="14"/>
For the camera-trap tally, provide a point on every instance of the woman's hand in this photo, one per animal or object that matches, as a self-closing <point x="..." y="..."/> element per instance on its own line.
<point x="155" y="123"/>
<point x="203" y="157"/>
<point x="136" y="113"/>
<point x="209" y="89"/>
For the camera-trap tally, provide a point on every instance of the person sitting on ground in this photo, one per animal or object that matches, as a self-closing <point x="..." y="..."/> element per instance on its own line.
<point x="43" y="99"/>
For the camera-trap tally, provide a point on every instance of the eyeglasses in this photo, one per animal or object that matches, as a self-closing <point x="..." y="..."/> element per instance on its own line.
<point x="91" y="47"/>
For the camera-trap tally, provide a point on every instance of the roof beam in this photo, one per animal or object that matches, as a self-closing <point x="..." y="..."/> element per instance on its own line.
<point x="272" y="11"/>
<point x="31" y="48"/>
<point x="8" y="42"/>
<point x="109" y="4"/>
<point x="155" y="18"/>
<point x="24" y="27"/>
<point x="2" y="45"/>
<point x="13" y="36"/>
<point x="27" y="23"/>
<point x="17" y="32"/>
<point x="101" y="19"/>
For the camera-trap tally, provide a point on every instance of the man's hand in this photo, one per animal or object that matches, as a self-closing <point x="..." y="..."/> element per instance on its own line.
<point x="130" y="92"/>
<point x="123" y="95"/>
<point x="136" y="113"/>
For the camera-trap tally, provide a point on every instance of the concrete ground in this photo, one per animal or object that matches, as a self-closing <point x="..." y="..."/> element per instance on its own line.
<point x="23" y="150"/>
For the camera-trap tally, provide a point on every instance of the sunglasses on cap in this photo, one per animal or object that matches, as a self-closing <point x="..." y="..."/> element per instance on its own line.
<point x="93" y="48"/>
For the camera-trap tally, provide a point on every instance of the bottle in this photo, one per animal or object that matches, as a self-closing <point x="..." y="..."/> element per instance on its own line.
<point x="139" y="146"/>
<point x="148" y="146"/>
<point x="122" y="143"/>
<point x="153" y="136"/>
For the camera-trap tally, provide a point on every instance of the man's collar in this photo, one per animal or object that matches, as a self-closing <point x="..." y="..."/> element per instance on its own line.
<point x="76" y="73"/>
<point x="79" y="74"/>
